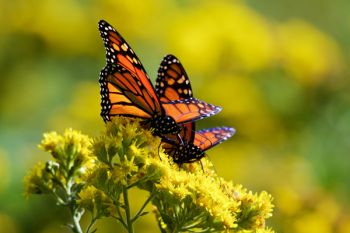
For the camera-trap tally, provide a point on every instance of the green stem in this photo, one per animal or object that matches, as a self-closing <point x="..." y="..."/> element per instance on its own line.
<point x="142" y="208"/>
<point x="175" y="230"/>
<point x="120" y="216"/>
<point x="120" y="220"/>
<point x="76" y="215"/>
<point x="127" y="211"/>
<point x="92" y="223"/>
<point x="74" y="208"/>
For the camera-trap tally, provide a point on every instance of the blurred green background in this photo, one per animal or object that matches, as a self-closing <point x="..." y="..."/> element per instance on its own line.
<point x="279" y="69"/>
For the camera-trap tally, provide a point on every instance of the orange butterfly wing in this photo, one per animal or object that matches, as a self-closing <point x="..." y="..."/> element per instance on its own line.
<point x="188" y="110"/>
<point x="118" y="51"/>
<point x="207" y="138"/>
<point x="174" y="90"/>
<point x="133" y="79"/>
<point x="120" y="92"/>
<point x="172" y="84"/>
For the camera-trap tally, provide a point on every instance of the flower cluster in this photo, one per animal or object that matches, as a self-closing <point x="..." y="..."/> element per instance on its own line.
<point x="190" y="197"/>
<point x="71" y="159"/>
<point x="194" y="200"/>
<point x="64" y="176"/>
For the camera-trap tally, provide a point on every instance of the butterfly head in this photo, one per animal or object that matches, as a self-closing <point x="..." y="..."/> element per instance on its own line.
<point x="164" y="125"/>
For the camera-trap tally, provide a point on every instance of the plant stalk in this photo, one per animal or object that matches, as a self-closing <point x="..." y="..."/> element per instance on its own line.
<point x="76" y="220"/>
<point x="129" y="222"/>
<point x="142" y="208"/>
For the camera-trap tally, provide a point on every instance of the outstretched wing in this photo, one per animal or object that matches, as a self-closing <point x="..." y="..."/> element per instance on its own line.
<point x="172" y="84"/>
<point x="188" y="110"/>
<point x="126" y="72"/>
<point x="207" y="138"/>
<point x="122" y="94"/>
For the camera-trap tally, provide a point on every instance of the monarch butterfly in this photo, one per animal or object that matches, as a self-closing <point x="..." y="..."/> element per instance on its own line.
<point x="126" y="90"/>
<point x="173" y="84"/>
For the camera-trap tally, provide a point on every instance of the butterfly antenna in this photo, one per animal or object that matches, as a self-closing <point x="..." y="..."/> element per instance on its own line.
<point x="214" y="168"/>
<point x="159" y="151"/>
<point x="180" y="138"/>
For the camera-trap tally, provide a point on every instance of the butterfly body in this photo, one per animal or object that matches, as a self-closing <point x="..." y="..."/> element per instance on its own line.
<point x="186" y="151"/>
<point x="169" y="125"/>
<point x="182" y="149"/>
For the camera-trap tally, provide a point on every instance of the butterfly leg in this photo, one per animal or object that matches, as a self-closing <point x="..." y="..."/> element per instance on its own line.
<point x="202" y="165"/>
<point x="158" y="151"/>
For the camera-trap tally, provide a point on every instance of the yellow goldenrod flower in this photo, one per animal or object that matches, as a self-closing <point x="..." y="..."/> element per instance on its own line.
<point x="96" y="201"/>
<point x="51" y="142"/>
<point x="37" y="180"/>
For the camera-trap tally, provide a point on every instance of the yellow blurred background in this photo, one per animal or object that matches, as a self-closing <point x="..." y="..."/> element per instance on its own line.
<point x="279" y="69"/>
